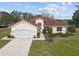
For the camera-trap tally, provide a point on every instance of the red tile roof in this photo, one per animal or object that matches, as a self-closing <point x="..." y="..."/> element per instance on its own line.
<point x="48" y="21"/>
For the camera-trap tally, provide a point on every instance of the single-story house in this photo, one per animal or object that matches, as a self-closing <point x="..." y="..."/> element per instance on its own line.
<point x="30" y="28"/>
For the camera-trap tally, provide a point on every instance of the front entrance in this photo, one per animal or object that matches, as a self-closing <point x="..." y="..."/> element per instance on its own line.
<point x="39" y="27"/>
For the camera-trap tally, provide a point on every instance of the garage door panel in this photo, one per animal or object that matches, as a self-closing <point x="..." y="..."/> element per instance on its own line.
<point x="24" y="33"/>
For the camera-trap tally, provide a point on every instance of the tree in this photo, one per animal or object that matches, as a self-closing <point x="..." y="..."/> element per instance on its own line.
<point x="16" y="15"/>
<point x="75" y="16"/>
<point x="71" y="23"/>
<point x="46" y="13"/>
<point x="4" y="18"/>
<point x="27" y="15"/>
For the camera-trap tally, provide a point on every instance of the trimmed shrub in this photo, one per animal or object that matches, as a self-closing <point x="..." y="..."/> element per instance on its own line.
<point x="71" y="30"/>
<point x="44" y="30"/>
<point x="50" y="35"/>
<point x="69" y="34"/>
<point x="11" y="36"/>
<point x="65" y="35"/>
<point x="58" y="34"/>
<point x="49" y="30"/>
<point x="3" y="26"/>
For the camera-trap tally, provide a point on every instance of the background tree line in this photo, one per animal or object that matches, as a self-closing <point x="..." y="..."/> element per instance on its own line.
<point x="14" y="16"/>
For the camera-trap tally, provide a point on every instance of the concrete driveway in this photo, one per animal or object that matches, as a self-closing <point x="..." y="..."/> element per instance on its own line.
<point x="16" y="47"/>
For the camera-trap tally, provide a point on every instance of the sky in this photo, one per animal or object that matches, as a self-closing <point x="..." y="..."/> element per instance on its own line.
<point x="60" y="10"/>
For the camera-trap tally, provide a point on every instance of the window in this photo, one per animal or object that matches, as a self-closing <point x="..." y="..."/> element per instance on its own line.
<point x="59" y="28"/>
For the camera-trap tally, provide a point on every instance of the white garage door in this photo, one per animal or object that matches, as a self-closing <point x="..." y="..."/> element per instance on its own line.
<point x="24" y="33"/>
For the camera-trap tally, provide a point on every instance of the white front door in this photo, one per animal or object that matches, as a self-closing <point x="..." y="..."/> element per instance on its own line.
<point x="24" y="33"/>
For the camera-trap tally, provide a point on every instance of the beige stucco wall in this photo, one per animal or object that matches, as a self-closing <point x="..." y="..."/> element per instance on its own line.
<point x="23" y="26"/>
<point x="39" y="20"/>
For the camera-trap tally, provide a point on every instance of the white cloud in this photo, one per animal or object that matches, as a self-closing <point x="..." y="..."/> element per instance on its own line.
<point x="69" y="3"/>
<point x="63" y="3"/>
<point x="52" y="7"/>
<point x="49" y="7"/>
<point x="1" y="9"/>
<point x="29" y="6"/>
<point x="63" y="8"/>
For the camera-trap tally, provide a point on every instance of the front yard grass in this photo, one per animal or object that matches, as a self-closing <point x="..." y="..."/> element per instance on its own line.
<point x="3" y="43"/>
<point x="4" y="32"/>
<point x="68" y="46"/>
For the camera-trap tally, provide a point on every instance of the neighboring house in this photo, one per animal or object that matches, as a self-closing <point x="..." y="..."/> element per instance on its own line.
<point x="30" y="28"/>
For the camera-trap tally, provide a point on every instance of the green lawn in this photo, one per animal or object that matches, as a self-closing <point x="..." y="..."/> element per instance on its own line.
<point x="4" y="32"/>
<point x="67" y="46"/>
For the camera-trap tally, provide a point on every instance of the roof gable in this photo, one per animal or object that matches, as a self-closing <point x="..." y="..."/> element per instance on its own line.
<point x="22" y="21"/>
